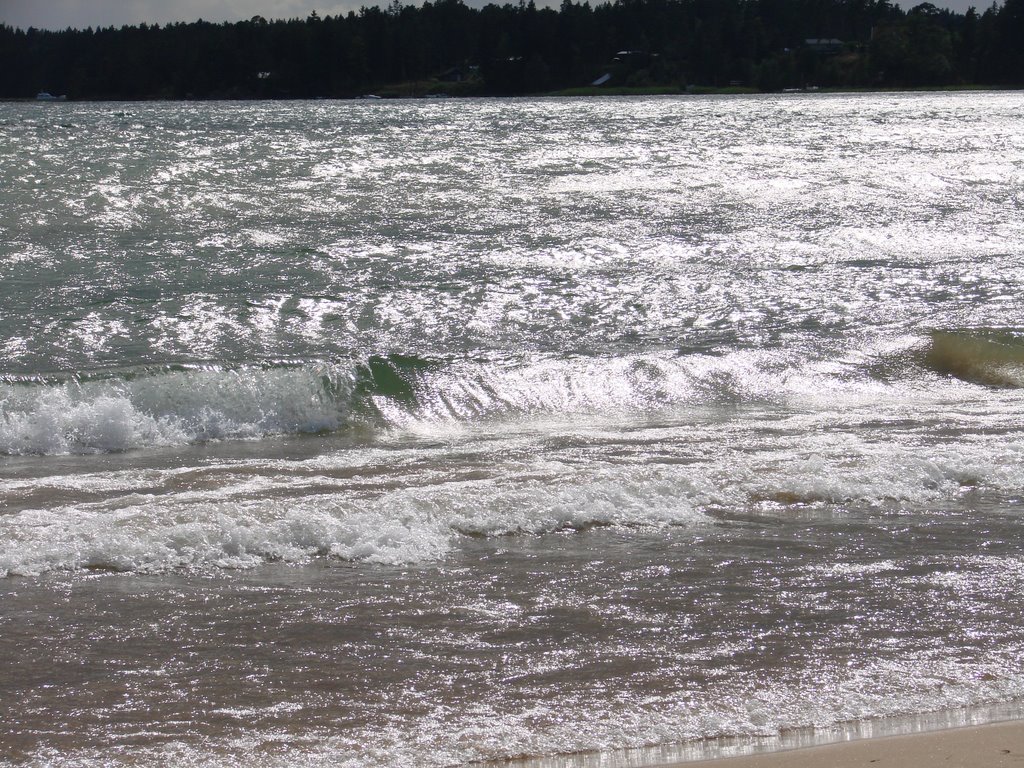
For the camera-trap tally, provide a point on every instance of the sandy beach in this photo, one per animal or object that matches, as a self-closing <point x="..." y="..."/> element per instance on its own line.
<point x="984" y="746"/>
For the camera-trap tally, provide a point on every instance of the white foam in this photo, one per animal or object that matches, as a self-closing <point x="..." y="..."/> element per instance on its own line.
<point x="843" y="468"/>
<point x="408" y="508"/>
<point x="53" y="421"/>
<point x="154" y="536"/>
<point x="239" y="527"/>
<point x="169" y="408"/>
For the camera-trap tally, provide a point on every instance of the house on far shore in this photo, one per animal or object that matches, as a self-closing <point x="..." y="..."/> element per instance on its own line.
<point x="824" y="46"/>
<point x="453" y="75"/>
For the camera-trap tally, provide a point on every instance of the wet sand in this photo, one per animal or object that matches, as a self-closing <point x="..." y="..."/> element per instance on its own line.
<point x="984" y="746"/>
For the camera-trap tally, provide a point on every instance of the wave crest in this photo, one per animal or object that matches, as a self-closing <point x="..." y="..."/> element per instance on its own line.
<point x="177" y="405"/>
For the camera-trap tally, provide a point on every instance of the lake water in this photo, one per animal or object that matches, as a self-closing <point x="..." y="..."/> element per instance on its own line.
<point x="421" y="433"/>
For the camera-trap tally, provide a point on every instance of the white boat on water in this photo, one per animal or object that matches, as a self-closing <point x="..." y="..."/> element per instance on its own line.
<point x="44" y="96"/>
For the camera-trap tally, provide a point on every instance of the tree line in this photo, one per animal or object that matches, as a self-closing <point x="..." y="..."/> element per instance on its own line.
<point x="447" y="46"/>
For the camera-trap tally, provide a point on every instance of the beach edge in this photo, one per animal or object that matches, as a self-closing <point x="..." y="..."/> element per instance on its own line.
<point x="990" y="745"/>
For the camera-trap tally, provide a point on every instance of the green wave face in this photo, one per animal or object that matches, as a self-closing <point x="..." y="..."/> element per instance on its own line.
<point x="390" y="376"/>
<point x="994" y="357"/>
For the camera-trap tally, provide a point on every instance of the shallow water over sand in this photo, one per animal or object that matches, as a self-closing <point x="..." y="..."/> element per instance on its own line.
<point x="425" y="433"/>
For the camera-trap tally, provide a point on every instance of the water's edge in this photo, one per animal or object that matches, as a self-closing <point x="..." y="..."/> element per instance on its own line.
<point x="796" y="738"/>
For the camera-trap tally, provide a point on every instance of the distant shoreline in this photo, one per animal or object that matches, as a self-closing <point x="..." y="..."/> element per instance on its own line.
<point x="458" y="50"/>
<point x="581" y="92"/>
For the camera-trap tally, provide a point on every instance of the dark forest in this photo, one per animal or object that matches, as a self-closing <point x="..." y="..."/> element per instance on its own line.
<point x="447" y="47"/>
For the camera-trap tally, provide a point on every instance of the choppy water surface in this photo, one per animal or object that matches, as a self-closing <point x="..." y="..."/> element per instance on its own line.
<point x="418" y="433"/>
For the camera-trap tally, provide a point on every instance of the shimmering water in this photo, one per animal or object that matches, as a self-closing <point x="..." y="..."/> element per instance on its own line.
<point x="418" y="433"/>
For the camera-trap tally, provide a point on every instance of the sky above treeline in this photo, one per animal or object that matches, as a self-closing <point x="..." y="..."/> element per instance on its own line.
<point x="60" y="14"/>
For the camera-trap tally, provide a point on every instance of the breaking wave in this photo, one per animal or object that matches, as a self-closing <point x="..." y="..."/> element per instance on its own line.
<point x="178" y="405"/>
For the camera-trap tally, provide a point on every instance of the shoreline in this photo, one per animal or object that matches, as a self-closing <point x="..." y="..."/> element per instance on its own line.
<point x="570" y="93"/>
<point x="910" y="741"/>
<point x="991" y="745"/>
